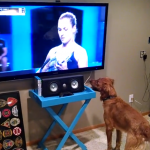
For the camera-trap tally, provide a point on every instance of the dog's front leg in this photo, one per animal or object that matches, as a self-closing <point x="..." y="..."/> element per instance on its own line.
<point x="118" y="140"/>
<point x="109" y="137"/>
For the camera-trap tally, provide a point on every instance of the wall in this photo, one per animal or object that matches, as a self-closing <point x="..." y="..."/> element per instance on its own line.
<point x="127" y="34"/>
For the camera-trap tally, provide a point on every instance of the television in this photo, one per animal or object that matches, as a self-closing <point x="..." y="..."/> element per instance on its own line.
<point x="46" y="39"/>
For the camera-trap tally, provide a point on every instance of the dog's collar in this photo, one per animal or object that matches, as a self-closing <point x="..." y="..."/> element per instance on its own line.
<point x="109" y="97"/>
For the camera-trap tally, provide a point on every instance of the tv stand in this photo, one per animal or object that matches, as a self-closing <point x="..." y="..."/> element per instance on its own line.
<point x="47" y="102"/>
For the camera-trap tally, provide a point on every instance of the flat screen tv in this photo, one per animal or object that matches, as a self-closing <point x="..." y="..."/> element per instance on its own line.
<point x="45" y="39"/>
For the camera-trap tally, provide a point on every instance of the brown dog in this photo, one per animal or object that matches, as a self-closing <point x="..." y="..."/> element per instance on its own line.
<point x="121" y="116"/>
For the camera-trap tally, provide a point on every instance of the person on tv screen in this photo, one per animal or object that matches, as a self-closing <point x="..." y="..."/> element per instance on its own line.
<point x="3" y="55"/>
<point x="68" y="55"/>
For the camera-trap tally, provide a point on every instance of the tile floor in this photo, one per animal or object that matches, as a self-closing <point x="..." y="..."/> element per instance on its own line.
<point x="94" y="140"/>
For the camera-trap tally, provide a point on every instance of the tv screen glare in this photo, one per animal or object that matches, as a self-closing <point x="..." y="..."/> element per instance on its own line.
<point x="45" y="39"/>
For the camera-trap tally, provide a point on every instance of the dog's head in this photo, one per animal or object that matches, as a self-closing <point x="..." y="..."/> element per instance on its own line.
<point x="104" y="86"/>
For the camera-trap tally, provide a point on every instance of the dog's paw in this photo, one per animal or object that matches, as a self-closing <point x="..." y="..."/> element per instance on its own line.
<point x="116" y="148"/>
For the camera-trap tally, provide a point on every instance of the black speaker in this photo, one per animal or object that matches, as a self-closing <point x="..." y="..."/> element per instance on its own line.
<point x="62" y="86"/>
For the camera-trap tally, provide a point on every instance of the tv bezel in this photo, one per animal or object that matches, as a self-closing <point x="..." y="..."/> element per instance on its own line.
<point x="53" y="73"/>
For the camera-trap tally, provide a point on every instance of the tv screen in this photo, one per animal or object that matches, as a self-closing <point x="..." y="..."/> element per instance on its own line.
<point x="43" y="39"/>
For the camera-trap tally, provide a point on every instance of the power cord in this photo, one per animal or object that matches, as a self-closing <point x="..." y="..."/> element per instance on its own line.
<point x="145" y="57"/>
<point x="147" y="81"/>
<point x="88" y="78"/>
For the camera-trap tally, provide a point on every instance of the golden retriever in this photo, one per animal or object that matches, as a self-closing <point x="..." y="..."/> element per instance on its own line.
<point x="121" y="116"/>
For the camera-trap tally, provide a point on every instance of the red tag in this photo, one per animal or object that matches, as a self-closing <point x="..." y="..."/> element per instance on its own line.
<point x="11" y="101"/>
<point x="17" y="131"/>
<point x="6" y="113"/>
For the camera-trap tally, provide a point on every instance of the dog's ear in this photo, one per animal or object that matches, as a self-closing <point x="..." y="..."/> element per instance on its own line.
<point x="112" y="81"/>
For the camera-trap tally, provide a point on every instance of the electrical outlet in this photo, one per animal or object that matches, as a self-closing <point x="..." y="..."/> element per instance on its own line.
<point x="142" y="53"/>
<point x="131" y="98"/>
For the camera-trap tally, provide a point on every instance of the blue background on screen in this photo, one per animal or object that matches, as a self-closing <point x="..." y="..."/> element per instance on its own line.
<point x="92" y="36"/>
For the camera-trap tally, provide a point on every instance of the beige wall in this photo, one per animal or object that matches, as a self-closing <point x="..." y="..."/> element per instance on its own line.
<point x="127" y="34"/>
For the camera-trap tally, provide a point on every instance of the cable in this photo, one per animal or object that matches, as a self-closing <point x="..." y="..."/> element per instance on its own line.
<point x="137" y="102"/>
<point x="88" y="78"/>
<point x="147" y="85"/>
<point x="147" y="79"/>
<point x="146" y="82"/>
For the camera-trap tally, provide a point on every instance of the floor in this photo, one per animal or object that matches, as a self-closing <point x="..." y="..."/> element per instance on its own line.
<point x="94" y="140"/>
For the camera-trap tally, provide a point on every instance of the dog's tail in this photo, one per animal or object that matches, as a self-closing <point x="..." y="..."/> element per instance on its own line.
<point x="145" y="130"/>
<point x="148" y="133"/>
